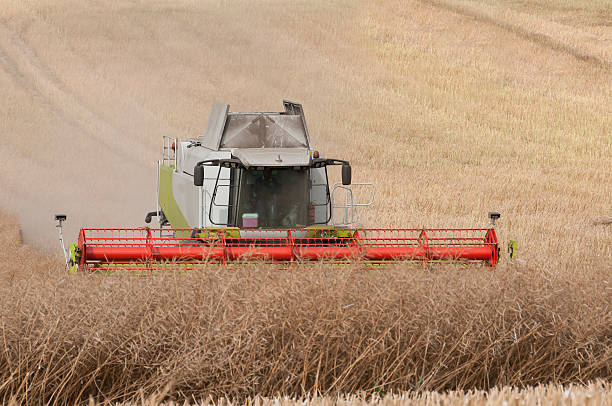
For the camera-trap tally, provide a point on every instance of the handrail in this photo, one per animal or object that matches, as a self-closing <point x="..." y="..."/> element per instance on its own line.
<point x="351" y="213"/>
<point x="169" y="151"/>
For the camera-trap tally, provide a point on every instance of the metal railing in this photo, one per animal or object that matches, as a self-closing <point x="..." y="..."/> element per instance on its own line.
<point x="169" y="151"/>
<point x="350" y="212"/>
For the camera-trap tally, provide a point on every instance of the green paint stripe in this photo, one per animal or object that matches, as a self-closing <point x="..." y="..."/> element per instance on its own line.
<point x="166" y="199"/>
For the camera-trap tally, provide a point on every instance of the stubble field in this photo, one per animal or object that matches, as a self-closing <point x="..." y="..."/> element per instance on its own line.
<point x="453" y="108"/>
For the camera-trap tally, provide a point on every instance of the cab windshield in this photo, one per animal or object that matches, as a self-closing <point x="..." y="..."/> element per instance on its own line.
<point x="273" y="198"/>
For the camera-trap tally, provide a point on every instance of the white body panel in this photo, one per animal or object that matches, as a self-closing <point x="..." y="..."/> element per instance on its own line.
<point x="318" y="194"/>
<point x="215" y="214"/>
<point x="186" y="196"/>
<point x="195" y="202"/>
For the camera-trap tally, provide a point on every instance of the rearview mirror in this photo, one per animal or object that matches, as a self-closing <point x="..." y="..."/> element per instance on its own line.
<point x="198" y="175"/>
<point x="346" y="174"/>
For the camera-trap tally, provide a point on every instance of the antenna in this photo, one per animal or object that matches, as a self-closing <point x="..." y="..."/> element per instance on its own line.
<point x="60" y="218"/>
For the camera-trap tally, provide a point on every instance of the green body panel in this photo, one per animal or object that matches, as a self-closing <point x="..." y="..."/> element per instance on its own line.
<point x="512" y="245"/>
<point x="319" y="231"/>
<point x="167" y="202"/>
<point x="74" y="258"/>
<point x="230" y="232"/>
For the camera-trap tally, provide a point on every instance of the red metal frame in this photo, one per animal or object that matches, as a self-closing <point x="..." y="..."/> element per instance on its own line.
<point x="143" y="248"/>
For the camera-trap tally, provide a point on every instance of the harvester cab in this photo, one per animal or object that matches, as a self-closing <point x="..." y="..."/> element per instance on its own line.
<point x="253" y="171"/>
<point x="253" y="187"/>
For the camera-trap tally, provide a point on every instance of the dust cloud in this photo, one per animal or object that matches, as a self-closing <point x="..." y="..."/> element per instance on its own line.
<point x="88" y="95"/>
<point x="60" y="153"/>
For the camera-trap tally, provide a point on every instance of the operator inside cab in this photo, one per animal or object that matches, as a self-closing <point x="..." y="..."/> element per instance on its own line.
<point x="279" y="197"/>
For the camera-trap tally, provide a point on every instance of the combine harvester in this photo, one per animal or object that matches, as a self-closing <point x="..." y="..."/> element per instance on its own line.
<point x="253" y="187"/>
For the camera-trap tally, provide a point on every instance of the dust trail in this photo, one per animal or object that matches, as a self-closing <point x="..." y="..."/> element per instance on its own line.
<point x="63" y="156"/>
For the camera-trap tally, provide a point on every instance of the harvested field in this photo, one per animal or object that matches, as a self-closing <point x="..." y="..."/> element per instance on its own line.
<point x="452" y="107"/>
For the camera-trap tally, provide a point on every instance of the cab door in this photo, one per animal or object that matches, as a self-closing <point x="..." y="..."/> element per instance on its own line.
<point x="319" y="196"/>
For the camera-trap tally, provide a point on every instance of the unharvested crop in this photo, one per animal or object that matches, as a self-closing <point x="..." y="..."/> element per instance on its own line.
<point x="266" y="331"/>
